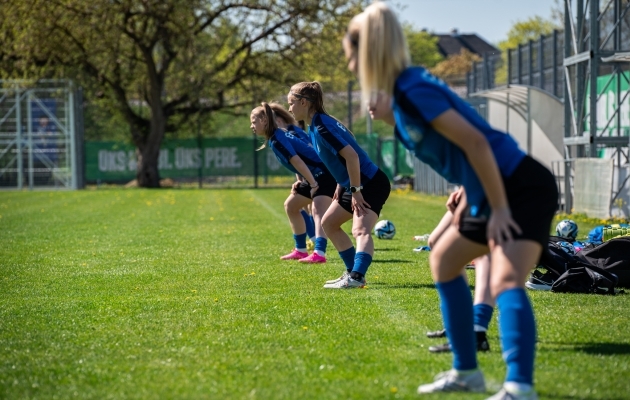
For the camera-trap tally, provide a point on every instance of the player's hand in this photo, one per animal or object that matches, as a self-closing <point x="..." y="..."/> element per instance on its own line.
<point x="338" y="192"/>
<point x="501" y="227"/>
<point x="295" y="186"/>
<point x="314" y="190"/>
<point x="359" y="205"/>
<point x="453" y="200"/>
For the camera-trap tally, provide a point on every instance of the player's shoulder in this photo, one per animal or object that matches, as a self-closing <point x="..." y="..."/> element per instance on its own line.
<point x="329" y="123"/>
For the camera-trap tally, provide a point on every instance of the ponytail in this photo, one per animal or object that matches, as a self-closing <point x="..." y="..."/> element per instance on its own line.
<point x="312" y="91"/>
<point x="283" y="114"/>
<point x="265" y="110"/>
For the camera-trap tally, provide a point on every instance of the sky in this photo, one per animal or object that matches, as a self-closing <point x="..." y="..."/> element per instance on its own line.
<point x="490" y="19"/>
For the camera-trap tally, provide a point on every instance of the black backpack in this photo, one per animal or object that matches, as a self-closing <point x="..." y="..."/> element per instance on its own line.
<point x="612" y="256"/>
<point x="585" y="279"/>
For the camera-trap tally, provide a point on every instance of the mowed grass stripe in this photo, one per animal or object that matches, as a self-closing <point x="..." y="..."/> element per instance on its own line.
<point x="180" y="294"/>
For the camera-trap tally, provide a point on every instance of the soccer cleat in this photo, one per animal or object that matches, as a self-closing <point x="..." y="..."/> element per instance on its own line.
<point x="482" y="344"/>
<point x="342" y="277"/>
<point x="453" y="381"/>
<point x="540" y="281"/>
<point x="346" y="283"/>
<point x="482" y="341"/>
<point x="294" y="255"/>
<point x="313" y="259"/>
<point x="436" y="334"/>
<point x="442" y="348"/>
<point x="503" y="394"/>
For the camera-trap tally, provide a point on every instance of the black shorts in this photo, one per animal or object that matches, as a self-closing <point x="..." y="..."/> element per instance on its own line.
<point x="327" y="186"/>
<point x="375" y="193"/>
<point x="533" y="198"/>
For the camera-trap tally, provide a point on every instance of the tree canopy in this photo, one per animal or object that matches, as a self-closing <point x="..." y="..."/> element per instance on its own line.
<point x="181" y="58"/>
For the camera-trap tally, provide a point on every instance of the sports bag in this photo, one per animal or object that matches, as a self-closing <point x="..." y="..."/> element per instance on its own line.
<point x="585" y="279"/>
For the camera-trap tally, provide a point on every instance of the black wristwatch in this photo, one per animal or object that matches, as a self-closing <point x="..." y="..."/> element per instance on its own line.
<point x="355" y="189"/>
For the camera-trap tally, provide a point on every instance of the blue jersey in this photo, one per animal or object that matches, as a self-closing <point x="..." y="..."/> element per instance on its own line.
<point x="330" y="136"/>
<point x="419" y="98"/>
<point x="286" y="145"/>
<point x="299" y="132"/>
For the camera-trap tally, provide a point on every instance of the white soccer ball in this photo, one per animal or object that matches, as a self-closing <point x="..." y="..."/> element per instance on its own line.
<point x="567" y="229"/>
<point x="384" y="229"/>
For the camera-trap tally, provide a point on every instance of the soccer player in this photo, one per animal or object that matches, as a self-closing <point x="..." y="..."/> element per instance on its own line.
<point x="483" y="304"/>
<point x="317" y="184"/>
<point x="509" y="201"/>
<point x="362" y="188"/>
<point x="285" y="120"/>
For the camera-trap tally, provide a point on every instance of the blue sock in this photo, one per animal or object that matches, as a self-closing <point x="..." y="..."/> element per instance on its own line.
<point x="517" y="329"/>
<point x="348" y="257"/>
<point x="310" y="225"/>
<point x="457" y="313"/>
<point x="362" y="262"/>
<point x="300" y="241"/>
<point x="482" y="315"/>
<point x="320" y="245"/>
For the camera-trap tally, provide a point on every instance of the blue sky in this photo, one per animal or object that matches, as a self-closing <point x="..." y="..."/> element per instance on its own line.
<point x="490" y="19"/>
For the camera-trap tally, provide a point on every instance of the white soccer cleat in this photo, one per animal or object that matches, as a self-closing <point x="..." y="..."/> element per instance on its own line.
<point x="343" y="276"/>
<point x="346" y="283"/>
<point x="505" y="395"/>
<point x="453" y="381"/>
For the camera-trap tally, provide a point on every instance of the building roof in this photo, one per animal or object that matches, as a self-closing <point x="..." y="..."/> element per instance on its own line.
<point x="454" y="42"/>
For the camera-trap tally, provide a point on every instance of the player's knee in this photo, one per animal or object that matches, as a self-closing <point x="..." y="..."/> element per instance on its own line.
<point x="329" y="225"/>
<point x="290" y="208"/>
<point x="360" y="231"/>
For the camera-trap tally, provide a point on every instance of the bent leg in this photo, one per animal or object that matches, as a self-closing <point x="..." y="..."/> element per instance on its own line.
<point x="451" y="253"/>
<point x="511" y="263"/>
<point x="292" y="206"/>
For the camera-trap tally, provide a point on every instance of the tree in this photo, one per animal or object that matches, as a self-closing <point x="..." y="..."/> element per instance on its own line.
<point x="521" y="33"/>
<point x="423" y="47"/>
<point x="180" y="57"/>
<point x="453" y="70"/>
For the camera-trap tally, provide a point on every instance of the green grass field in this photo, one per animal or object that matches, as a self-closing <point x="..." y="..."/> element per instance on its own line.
<point x="114" y="294"/>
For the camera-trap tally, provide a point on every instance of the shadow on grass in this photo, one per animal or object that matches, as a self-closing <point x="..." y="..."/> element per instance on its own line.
<point x="386" y="286"/>
<point x="546" y="395"/>
<point x="590" y="347"/>
<point x="385" y="249"/>
<point x="392" y="261"/>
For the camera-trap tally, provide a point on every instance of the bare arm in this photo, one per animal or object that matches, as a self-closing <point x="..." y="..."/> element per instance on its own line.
<point x="301" y="167"/>
<point x="478" y="152"/>
<point x="352" y="164"/>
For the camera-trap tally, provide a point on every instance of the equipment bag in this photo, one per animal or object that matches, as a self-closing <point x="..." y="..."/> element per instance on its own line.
<point x="585" y="279"/>
<point x="612" y="256"/>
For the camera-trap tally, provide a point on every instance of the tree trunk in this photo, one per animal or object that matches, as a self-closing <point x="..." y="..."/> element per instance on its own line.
<point x="147" y="172"/>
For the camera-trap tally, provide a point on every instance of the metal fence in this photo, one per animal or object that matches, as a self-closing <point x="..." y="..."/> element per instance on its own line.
<point x="40" y="141"/>
<point x="538" y="63"/>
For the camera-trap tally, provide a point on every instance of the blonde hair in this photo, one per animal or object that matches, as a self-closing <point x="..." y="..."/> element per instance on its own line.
<point x="382" y="53"/>
<point x="283" y="114"/>
<point x="265" y="110"/>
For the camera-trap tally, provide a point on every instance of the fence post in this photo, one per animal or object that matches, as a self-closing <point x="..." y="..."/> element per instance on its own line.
<point x="555" y="59"/>
<point x="200" y="170"/>
<point x="18" y="125"/>
<point x="474" y="76"/>
<point x="509" y="68"/>
<point x="350" y="105"/>
<point x="541" y="64"/>
<point x="255" y="161"/>
<point x="530" y="54"/>
<point x="519" y="64"/>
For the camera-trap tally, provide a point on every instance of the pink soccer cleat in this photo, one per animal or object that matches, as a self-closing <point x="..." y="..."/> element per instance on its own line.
<point x="313" y="259"/>
<point x="294" y="255"/>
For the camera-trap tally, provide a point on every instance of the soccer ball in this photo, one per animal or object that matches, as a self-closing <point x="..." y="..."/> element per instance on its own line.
<point x="384" y="229"/>
<point x="567" y="229"/>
